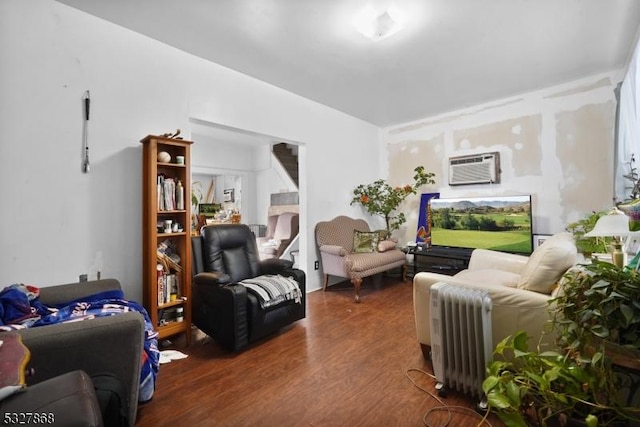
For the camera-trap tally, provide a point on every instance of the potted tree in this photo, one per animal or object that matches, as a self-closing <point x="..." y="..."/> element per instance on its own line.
<point x="380" y="198"/>
<point x="596" y="318"/>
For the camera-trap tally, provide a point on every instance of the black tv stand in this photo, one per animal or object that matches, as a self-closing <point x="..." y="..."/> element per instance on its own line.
<point x="439" y="259"/>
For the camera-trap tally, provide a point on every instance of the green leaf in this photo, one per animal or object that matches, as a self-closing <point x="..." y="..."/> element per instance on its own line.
<point x="502" y="345"/>
<point x="520" y="353"/>
<point x="513" y="393"/>
<point x="575" y="344"/>
<point x="591" y="420"/>
<point x="521" y="341"/>
<point x="498" y="400"/>
<point x="495" y="367"/>
<point x="551" y="374"/>
<point x="627" y="312"/>
<point x="512" y="419"/>
<point x="601" y="284"/>
<point x="550" y="354"/>
<point x="537" y="379"/>
<point x="599" y="331"/>
<point x="596" y="357"/>
<point x="489" y="383"/>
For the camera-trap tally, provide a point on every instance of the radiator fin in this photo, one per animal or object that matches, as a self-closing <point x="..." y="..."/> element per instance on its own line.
<point x="461" y="341"/>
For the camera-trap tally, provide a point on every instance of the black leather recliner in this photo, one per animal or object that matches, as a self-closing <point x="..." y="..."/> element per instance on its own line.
<point x="222" y="256"/>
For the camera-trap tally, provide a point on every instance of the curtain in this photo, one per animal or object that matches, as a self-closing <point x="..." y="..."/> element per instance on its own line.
<point x="628" y="132"/>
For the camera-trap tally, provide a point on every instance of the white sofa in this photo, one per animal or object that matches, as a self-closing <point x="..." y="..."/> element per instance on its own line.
<point x="520" y="288"/>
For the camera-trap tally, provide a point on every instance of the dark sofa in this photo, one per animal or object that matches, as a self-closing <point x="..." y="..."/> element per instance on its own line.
<point x="106" y="344"/>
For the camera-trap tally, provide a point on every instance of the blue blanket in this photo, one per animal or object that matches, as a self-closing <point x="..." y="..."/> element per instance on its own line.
<point x="20" y="308"/>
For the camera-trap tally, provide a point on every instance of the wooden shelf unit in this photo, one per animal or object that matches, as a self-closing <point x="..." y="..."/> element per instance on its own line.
<point x="152" y="216"/>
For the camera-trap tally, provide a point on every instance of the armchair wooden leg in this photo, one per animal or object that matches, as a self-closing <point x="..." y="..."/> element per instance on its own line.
<point x="356" y="283"/>
<point x="404" y="272"/>
<point x="326" y="282"/>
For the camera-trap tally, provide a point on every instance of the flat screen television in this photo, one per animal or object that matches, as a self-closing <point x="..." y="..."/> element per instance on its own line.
<point x="501" y="223"/>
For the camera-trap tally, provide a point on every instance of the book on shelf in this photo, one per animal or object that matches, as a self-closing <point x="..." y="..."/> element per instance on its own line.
<point x="167" y="188"/>
<point x="168" y="287"/>
<point x="169" y="194"/>
<point x="168" y="255"/>
<point x="171" y="315"/>
<point x="160" y="283"/>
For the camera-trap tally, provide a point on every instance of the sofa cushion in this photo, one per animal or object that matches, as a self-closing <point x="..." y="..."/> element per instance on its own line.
<point x="383" y="234"/>
<point x="386" y="245"/>
<point x="489" y="275"/>
<point x="357" y="263"/>
<point x="334" y="250"/>
<point x="339" y="231"/>
<point x="365" y="241"/>
<point x="548" y="263"/>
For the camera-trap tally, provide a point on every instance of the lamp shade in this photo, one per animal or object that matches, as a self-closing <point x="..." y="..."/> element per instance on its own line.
<point x="614" y="223"/>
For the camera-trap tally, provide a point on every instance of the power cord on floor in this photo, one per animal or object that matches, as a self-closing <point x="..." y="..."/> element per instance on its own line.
<point x="443" y="406"/>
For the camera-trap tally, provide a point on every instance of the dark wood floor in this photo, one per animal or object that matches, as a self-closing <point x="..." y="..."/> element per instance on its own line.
<point x="346" y="364"/>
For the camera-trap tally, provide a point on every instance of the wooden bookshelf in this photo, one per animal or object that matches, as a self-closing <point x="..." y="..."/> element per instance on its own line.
<point x="161" y="205"/>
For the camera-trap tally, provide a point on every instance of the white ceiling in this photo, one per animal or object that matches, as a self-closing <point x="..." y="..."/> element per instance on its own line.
<point x="451" y="54"/>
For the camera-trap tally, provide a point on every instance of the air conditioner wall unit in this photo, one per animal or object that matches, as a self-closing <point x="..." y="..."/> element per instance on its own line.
<point x="475" y="169"/>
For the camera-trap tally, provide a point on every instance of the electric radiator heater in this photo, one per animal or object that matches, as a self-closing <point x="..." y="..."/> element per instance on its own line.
<point x="461" y="341"/>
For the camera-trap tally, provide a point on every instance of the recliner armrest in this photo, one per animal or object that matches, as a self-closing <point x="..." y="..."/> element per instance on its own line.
<point x="334" y="250"/>
<point x="221" y="312"/>
<point x="212" y="278"/>
<point x="274" y="265"/>
<point x="105" y="344"/>
<point x="489" y="259"/>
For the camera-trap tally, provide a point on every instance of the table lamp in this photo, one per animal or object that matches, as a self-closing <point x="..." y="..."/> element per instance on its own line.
<point x="614" y="224"/>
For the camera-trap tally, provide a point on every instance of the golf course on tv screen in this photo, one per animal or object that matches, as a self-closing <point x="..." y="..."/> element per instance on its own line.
<point x="500" y="223"/>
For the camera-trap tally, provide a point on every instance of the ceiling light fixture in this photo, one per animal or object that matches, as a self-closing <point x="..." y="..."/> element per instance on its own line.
<point x="378" y="24"/>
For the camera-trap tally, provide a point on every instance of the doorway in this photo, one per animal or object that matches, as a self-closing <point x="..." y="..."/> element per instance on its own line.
<point x="223" y="154"/>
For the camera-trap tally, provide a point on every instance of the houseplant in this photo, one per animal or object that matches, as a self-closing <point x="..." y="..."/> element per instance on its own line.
<point x="196" y="195"/>
<point x="596" y="318"/>
<point x="533" y="388"/>
<point x="380" y="198"/>
<point x="588" y="245"/>
<point x="599" y="311"/>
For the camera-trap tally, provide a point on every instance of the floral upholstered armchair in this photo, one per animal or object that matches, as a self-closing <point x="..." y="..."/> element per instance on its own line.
<point x="348" y="248"/>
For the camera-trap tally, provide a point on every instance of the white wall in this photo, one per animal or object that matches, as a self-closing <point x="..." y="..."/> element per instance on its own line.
<point x="229" y="162"/>
<point x="57" y="222"/>
<point x="556" y="144"/>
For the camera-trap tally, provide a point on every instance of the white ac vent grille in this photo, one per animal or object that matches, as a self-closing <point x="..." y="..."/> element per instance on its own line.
<point x="476" y="169"/>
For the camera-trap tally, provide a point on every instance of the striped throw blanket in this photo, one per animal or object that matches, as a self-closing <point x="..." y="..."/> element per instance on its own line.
<point x="273" y="289"/>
